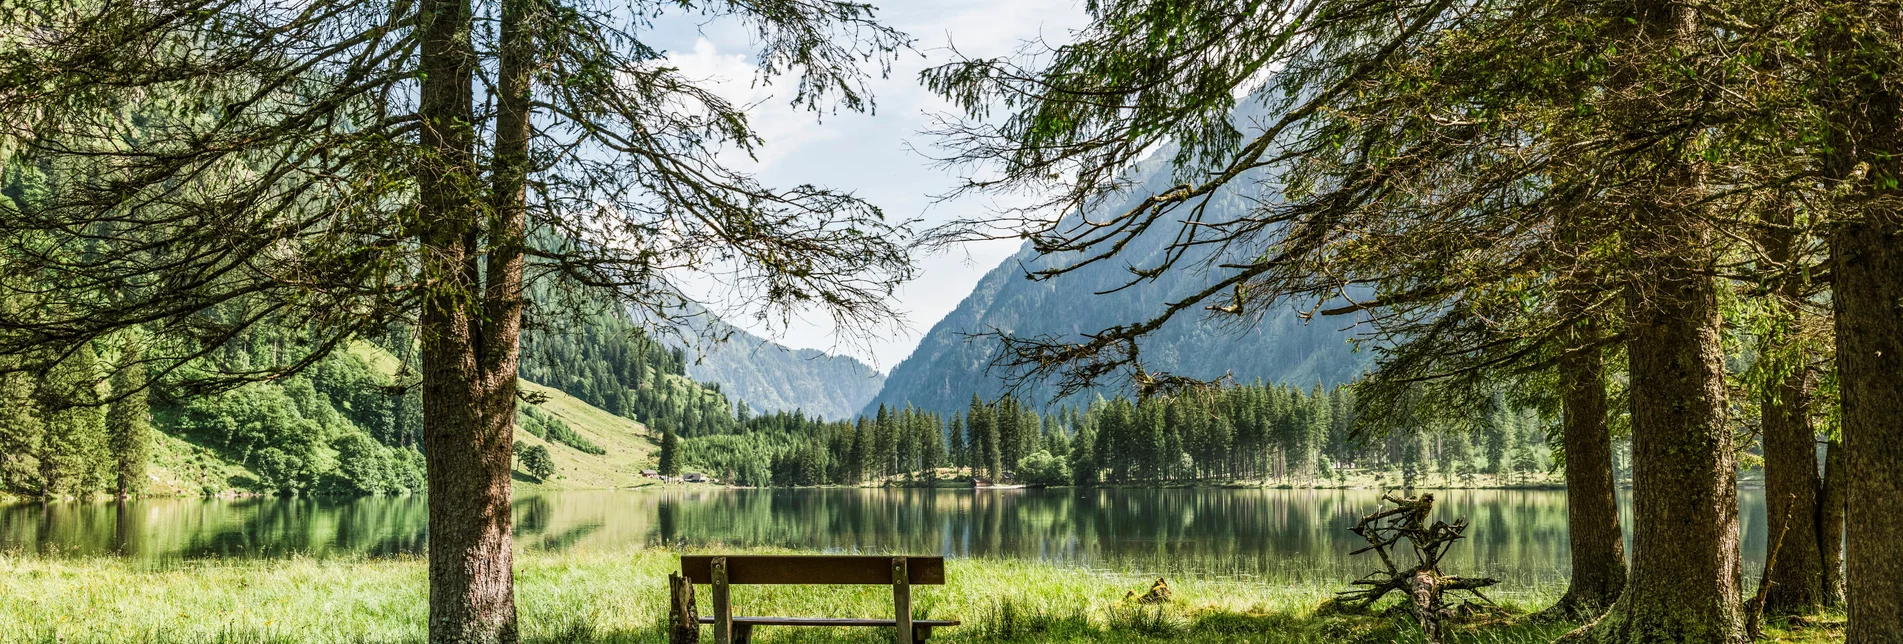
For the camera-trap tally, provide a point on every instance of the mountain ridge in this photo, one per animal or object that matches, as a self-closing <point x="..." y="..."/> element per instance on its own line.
<point x="771" y="377"/>
<point x="1282" y="346"/>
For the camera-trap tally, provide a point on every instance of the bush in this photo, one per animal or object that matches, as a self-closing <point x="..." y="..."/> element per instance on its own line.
<point x="1040" y="468"/>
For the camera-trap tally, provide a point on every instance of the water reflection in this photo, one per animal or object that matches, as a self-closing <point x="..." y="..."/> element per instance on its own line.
<point x="1283" y="535"/>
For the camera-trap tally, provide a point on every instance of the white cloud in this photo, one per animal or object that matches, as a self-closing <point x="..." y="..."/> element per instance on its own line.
<point x="867" y="153"/>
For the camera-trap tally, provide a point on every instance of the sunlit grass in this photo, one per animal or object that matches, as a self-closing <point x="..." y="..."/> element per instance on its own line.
<point x="619" y="597"/>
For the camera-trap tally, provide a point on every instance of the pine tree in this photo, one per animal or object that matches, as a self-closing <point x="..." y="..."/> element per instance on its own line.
<point x="129" y="422"/>
<point x="21" y="431"/>
<point x="1083" y="457"/>
<point x="73" y="452"/>
<point x="670" y="453"/>
<point x="959" y="452"/>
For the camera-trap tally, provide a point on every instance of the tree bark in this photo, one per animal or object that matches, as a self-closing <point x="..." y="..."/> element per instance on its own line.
<point x="1867" y="258"/>
<point x="468" y="404"/>
<point x="1795" y="583"/>
<point x="1686" y="574"/>
<point x="1592" y="505"/>
<point x="1865" y="113"/>
<point x="1794" y="579"/>
<point x="1830" y="522"/>
<point x="683" y="623"/>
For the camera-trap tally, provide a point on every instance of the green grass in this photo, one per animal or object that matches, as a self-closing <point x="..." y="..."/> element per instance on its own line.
<point x="619" y="597"/>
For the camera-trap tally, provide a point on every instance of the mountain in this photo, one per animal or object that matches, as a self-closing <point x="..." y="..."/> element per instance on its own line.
<point x="770" y="377"/>
<point x="949" y="366"/>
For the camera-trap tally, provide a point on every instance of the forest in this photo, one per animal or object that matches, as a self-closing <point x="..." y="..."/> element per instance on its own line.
<point x="1644" y="243"/>
<point x="1257" y="432"/>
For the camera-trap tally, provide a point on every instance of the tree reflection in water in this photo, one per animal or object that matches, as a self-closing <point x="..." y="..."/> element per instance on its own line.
<point x="1273" y="535"/>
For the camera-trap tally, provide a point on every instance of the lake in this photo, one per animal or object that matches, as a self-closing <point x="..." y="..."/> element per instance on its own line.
<point x="1274" y="535"/>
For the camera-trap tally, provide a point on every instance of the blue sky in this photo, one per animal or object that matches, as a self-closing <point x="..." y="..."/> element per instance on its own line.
<point x="868" y="153"/>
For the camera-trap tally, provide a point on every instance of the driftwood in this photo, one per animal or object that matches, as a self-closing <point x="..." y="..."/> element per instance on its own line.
<point x="1422" y="582"/>
<point x="683" y="624"/>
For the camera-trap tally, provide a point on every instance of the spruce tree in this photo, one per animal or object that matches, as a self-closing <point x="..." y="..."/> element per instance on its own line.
<point x="959" y="452"/>
<point x="670" y="453"/>
<point x="129" y="422"/>
<point x="73" y="449"/>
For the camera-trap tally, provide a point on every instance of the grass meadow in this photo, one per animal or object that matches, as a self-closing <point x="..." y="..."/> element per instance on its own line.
<point x="619" y="597"/>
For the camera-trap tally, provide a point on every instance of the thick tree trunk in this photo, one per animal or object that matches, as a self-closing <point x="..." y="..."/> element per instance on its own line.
<point x="468" y="404"/>
<point x="1866" y="249"/>
<point x="1592" y="506"/>
<point x="1867" y="266"/>
<point x="1686" y="575"/>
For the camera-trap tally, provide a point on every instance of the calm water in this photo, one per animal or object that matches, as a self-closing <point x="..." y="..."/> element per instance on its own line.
<point x="1278" y="535"/>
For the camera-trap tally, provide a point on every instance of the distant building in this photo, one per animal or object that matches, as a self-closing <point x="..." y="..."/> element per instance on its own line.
<point x="649" y="474"/>
<point x="694" y="477"/>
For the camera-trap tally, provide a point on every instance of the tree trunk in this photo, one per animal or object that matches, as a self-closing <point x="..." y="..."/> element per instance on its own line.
<point x="1423" y="590"/>
<point x="1865" y="114"/>
<point x="468" y="402"/>
<point x="683" y="624"/>
<point x="1686" y="575"/>
<point x="1830" y="523"/>
<point x="1795" y="582"/>
<point x="1592" y="506"/>
<point x="1867" y="266"/>
<point x="1794" y="576"/>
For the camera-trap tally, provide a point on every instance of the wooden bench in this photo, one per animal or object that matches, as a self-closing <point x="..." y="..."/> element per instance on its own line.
<point x="741" y="570"/>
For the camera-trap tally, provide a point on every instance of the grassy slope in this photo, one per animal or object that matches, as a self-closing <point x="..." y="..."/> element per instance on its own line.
<point x="180" y="468"/>
<point x="630" y="448"/>
<point x="603" y="597"/>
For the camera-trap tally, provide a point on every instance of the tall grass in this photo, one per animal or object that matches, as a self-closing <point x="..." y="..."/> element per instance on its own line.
<point x="616" y="597"/>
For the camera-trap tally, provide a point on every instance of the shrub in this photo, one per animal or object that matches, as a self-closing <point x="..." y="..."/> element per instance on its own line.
<point x="1040" y="468"/>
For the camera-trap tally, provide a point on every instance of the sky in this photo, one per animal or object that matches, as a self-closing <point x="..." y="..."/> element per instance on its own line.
<point x="881" y="156"/>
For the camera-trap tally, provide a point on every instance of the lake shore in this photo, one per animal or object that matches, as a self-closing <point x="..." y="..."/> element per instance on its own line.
<point x="619" y="598"/>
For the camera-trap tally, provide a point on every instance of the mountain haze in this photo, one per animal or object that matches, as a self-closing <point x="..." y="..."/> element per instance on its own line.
<point x="770" y="377"/>
<point x="949" y="365"/>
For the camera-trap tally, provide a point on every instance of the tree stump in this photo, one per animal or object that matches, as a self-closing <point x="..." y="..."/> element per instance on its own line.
<point x="1423" y="583"/>
<point x="683" y="623"/>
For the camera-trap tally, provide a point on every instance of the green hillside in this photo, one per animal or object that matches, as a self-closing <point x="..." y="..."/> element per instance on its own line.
<point x="184" y="463"/>
<point x="630" y="445"/>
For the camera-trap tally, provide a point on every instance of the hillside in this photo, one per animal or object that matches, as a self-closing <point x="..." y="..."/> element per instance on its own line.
<point x="630" y="446"/>
<point x="187" y="463"/>
<point x="947" y="368"/>
<point x="770" y="377"/>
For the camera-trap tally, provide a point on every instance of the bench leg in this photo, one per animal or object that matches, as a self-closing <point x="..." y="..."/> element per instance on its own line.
<point x="902" y="602"/>
<point x="742" y="634"/>
<point x="723" y="606"/>
<point x="920" y="633"/>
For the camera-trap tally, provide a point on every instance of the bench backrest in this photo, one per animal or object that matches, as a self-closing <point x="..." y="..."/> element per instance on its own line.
<point x="813" y="569"/>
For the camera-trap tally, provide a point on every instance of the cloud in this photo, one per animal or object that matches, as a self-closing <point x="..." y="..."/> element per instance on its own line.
<point x="868" y="154"/>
